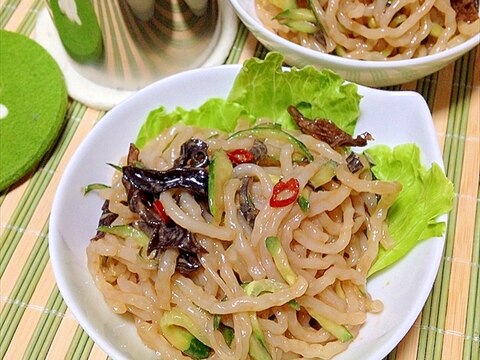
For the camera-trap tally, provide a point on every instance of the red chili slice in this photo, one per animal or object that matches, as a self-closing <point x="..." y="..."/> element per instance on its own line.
<point x="241" y="156"/>
<point x="158" y="206"/>
<point x="285" y="193"/>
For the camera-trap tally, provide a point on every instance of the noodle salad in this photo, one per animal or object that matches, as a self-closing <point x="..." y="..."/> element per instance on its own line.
<point x="246" y="231"/>
<point x="372" y="30"/>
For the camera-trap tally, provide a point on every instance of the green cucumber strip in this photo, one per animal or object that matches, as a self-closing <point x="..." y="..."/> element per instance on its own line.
<point x="126" y="231"/>
<point x="280" y="259"/>
<point x="263" y="132"/>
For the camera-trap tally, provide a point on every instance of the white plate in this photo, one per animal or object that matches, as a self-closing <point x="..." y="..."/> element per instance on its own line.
<point x="403" y="288"/>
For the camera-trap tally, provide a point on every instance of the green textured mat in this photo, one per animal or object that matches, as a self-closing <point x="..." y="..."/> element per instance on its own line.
<point x="33" y="103"/>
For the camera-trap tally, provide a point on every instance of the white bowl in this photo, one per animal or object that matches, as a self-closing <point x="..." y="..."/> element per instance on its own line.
<point x="370" y="73"/>
<point x="74" y="217"/>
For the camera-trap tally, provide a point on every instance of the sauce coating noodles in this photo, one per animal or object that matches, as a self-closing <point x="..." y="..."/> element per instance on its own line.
<point x="330" y="247"/>
<point x="377" y="29"/>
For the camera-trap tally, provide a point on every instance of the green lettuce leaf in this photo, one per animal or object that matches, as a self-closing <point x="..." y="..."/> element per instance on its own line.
<point x="213" y="114"/>
<point x="264" y="89"/>
<point x="426" y="194"/>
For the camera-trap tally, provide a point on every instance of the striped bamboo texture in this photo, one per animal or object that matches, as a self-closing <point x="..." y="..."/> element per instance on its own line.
<point x="36" y="323"/>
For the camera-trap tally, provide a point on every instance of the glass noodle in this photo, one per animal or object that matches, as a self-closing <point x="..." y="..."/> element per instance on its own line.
<point x="330" y="248"/>
<point x="373" y="29"/>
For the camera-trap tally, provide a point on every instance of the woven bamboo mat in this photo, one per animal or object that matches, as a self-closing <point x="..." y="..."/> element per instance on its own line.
<point x="36" y="323"/>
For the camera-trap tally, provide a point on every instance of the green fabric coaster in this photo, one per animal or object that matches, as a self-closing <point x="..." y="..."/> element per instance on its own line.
<point x="33" y="104"/>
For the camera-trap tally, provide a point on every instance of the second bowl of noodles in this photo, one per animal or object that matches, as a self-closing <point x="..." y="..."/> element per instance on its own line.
<point x="373" y="43"/>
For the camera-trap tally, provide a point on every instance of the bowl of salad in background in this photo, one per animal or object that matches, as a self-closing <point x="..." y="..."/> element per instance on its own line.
<point x="370" y="43"/>
<point x="211" y="98"/>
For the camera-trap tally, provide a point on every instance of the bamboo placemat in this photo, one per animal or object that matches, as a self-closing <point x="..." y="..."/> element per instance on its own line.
<point x="36" y="323"/>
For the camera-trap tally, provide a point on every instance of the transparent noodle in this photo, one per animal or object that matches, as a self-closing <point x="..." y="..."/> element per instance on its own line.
<point x="330" y="247"/>
<point x="376" y="29"/>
